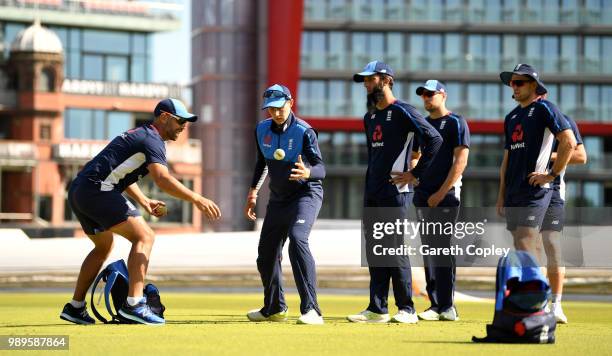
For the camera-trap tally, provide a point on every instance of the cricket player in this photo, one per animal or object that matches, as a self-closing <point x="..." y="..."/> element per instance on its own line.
<point x="287" y="148"/>
<point x="390" y="126"/>
<point x="95" y="197"/>
<point x="553" y="223"/>
<point x="526" y="183"/>
<point x="438" y="188"/>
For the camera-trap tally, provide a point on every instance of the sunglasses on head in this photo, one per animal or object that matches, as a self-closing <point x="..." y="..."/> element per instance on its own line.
<point x="180" y="120"/>
<point x="428" y="94"/>
<point x="519" y="82"/>
<point x="276" y="94"/>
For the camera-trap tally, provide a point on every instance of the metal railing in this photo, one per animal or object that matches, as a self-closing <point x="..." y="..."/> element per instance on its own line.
<point x="454" y="63"/>
<point x="320" y="10"/>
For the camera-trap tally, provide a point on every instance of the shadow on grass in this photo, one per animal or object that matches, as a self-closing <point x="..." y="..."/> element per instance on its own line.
<point x="211" y="322"/>
<point x="443" y="342"/>
<point x="32" y="325"/>
<point x="239" y="318"/>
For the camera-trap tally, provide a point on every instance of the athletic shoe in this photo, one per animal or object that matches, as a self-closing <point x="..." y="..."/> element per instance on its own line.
<point x="429" y="315"/>
<point x="140" y="313"/>
<point x="449" y="314"/>
<point x="256" y="315"/>
<point x="311" y="317"/>
<point x="367" y="316"/>
<point x="405" y="317"/>
<point x="76" y="315"/>
<point x="559" y="315"/>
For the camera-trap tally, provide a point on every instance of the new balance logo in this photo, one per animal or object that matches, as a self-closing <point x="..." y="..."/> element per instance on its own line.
<point x="442" y="124"/>
<point x="300" y="221"/>
<point x="389" y="114"/>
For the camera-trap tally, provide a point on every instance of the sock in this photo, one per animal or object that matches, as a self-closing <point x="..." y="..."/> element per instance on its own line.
<point x="77" y="304"/>
<point x="556" y="298"/>
<point x="134" y="300"/>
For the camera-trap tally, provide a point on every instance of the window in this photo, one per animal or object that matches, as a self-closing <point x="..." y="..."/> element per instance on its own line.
<point x="105" y="55"/>
<point x="93" y="67"/>
<point x="45" y="132"/>
<point x="117" y="68"/>
<point x="10" y="32"/>
<point x="46" y="80"/>
<point x="106" y="41"/>
<point x="86" y="124"/>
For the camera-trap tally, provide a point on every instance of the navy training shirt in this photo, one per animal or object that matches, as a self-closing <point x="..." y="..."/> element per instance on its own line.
<point x="390" y="133"/>
<point x="295" y="137"/>
<point x="529" y="136"/>
<point x="559" y="182"/>
<point x="455" y="132"/>
<point x="125" y="159"/>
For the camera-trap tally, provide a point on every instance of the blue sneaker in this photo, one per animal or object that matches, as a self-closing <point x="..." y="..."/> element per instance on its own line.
<point x="76" y="315"/>
<point x="140" y="313"/>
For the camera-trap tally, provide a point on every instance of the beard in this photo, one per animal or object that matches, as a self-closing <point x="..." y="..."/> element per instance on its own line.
<point x="374" y="98"/>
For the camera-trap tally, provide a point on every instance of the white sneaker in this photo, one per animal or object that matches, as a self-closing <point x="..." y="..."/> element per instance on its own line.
<point x="367" y="316"/>
<point x="430" y="315"/>
<point x="405" y="317"/>
<point x="449" y="314"/>
<point x="312" y="318"/>
<point x="559" y="315"/>
<point x="256" y="315"/>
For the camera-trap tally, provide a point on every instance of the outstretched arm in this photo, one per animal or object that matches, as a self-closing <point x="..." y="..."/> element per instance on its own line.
<point x="172" y="186"/>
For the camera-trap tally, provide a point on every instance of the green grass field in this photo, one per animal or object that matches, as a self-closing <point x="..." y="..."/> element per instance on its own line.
<point x="216" y="324"/>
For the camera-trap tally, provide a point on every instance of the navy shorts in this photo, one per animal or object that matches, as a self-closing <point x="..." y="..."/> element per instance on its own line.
<point x="554" y="219"/>
<point x="96" y="210"/>
<point x="527" y="209"/>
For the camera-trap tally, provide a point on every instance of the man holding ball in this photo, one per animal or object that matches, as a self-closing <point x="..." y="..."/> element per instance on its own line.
<point x="96" y="199"/>
<point x="288" y="151"/>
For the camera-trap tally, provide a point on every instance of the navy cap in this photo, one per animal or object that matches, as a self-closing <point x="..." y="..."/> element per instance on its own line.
<point x="174" y="107"/>
<point x="524" y="69"/>
<point x="373" y="68"/>
<point x="276" y="96"/>
<point x="431" y="85"/>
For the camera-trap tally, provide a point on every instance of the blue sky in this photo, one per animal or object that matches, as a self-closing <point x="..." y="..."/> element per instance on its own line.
<point x="172" y="52"/>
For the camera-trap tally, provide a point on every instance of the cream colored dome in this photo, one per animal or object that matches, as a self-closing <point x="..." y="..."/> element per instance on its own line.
<point x="37" y="39"/>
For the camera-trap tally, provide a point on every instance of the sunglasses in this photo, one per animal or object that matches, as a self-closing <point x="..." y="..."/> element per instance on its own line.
<point x="180" y="120"/>
<point x="276" y="94"/>
<point x="429" y="94"/>
<point x="519" y="82"/>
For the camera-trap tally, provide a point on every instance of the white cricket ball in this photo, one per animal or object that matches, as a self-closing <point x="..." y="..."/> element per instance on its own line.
<point x="279" y="154"/>
<point x="160" y="210"/>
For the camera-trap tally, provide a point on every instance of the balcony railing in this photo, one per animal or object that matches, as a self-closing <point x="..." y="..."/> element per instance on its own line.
<point x="457" y="63"/>
<point x="477" y="110"/>
<point x="154" y="9"/>
<point x="320" y="10"/>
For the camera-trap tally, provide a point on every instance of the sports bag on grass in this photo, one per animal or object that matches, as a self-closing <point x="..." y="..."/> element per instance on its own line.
<point x="116" y="279"/>
<point x="521" y="296"/>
